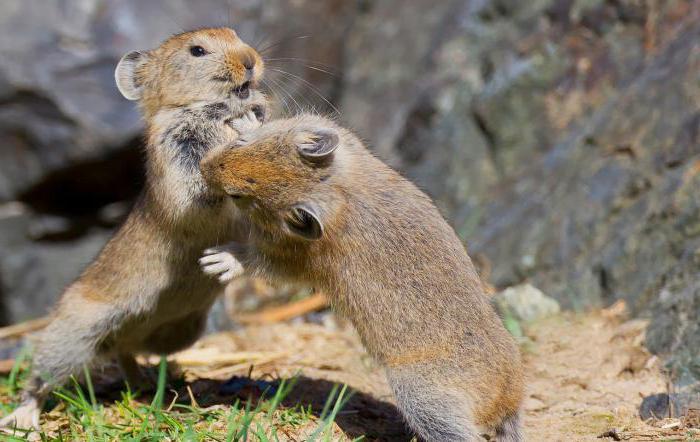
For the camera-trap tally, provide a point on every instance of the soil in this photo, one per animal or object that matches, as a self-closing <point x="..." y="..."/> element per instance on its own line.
<point x="587" y="375"/>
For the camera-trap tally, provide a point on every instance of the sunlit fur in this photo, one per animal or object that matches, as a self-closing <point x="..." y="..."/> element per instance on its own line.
<point x="171" y="76"/>
<point x="144" y="292"/>
<point x="390" y="263"/>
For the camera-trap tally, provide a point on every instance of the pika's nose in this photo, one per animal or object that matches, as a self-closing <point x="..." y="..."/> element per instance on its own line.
<point x="249" y="65"/>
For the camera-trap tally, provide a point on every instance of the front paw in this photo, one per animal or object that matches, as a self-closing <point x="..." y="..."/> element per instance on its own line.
<point x="221" y="263"/>
<point x="245" y="126"/>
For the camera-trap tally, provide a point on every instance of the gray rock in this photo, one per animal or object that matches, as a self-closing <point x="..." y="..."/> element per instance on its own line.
<point x="561" y="139"/>
<point x="663" y="405"/>
<point x="33" y="273"/>
<point x="525" y="303"/>
<point x="659" y="406"/>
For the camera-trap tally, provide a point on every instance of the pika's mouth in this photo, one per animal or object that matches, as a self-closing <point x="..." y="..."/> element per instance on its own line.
<point x="242" y="91"/>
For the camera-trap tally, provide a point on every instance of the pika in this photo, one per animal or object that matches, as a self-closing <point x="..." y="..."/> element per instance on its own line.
<point x="326" y="213"/>
<point x="145" y="292"/>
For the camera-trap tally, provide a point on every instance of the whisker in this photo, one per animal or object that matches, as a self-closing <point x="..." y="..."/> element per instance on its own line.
<point x="272" y="92"/>
<point x="309" y="105"/>
<point x="287" y="93"/>
<point x="311" y="86"/>
<point x="261" y="39"/>
<point x="304" y="63"/>
<point x="280" y="98"/>
<point x="314" y="68"/>
<point x="279" y="42"/>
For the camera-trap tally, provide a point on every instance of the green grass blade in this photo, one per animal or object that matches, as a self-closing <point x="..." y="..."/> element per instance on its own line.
<point x="157" y="403"/>
<point x="16" y="367"/>
<point x="90" y="387"/>
<point x="327" y="419"/>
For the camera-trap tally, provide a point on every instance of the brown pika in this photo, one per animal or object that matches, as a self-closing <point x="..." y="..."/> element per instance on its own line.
<point x="145" y="292"/>
<point x="325" y="212"/>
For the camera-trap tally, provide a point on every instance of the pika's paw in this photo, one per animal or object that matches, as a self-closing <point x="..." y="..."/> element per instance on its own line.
<point x="25" y="417"/>
<point x="219" y="262"/>
<point x="245" y="125"/>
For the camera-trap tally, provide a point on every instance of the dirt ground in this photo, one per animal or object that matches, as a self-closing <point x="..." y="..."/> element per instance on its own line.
<point x="587" y="374"/>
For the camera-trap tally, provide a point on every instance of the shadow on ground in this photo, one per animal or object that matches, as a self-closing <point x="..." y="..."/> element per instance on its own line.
<point x="362" y="415"/>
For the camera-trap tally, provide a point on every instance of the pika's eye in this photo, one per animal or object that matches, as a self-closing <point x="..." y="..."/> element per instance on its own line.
<point x="198" y="51"/>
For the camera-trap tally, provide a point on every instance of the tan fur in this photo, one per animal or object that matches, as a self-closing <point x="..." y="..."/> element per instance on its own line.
<point x="390" y="263"/>
<point x="173" y="78"/>
<point x="144" y="292"/>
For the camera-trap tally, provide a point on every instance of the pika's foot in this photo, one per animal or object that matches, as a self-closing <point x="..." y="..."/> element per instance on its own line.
<point x="24" y="418"/>
<point x="219" y="262"/>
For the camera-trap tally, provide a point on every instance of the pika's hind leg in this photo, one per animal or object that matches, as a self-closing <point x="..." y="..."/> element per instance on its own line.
<point x="68" y="343"/>
<point x="509" y="429"/>
<point x="434" y="413"/>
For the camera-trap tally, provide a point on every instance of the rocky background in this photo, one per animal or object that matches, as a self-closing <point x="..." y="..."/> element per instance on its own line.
<point x="560" y="137"/>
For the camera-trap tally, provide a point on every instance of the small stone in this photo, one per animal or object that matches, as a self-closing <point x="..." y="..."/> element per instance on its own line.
<point x="658" y="406"/>
<point x="526" y="303"/>
<point x="613" y="434"/>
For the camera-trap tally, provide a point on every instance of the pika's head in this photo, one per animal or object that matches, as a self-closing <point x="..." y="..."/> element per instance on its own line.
<point x="281" y="175"/>
<point x="204" y="65"/>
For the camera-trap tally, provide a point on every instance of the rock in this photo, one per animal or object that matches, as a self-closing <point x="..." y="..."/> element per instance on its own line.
<point x="613" y="434"/>
<point x="526" y="303"/>
<point x="655" y="406"/>
<point x="529" y="123"/>
<point x="33" y="274"/>
<point x="662" y="405"/>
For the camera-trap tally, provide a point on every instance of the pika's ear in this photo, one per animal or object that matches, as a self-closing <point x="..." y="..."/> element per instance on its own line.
<point x="318" y="145"/>
<point x="129" y="74"/>
<point x="303" y="220"/>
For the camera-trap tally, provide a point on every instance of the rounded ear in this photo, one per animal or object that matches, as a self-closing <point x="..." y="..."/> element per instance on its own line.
<point x="302" y="220"/>
<point x="128" y="74"/>
<point x="318" y="145"/>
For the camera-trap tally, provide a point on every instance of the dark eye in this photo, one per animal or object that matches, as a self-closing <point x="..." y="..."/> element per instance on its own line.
<point x="198" y="51"/>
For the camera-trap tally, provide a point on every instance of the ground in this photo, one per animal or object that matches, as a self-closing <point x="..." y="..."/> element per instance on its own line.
<point x="587" y="374"/>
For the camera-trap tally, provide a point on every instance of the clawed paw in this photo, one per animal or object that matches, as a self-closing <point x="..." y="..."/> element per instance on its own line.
<point x="220" y="263"/>
<point x="245" y="125"/>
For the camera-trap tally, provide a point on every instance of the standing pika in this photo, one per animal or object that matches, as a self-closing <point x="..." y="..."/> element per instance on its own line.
<point x="145" y="291"/>
<point x="325" y="212"/>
